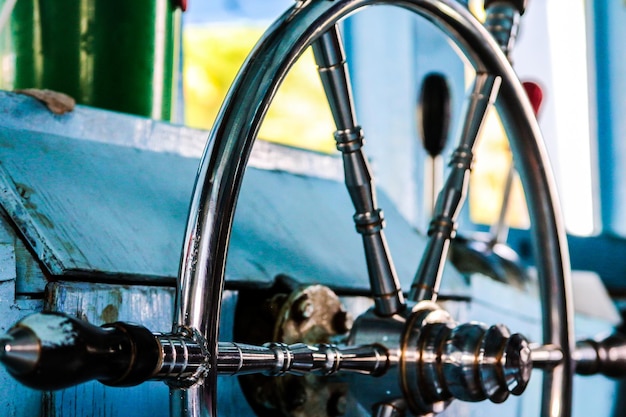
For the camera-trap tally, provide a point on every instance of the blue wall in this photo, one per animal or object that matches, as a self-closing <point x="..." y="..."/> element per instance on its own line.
<point x="610" y="35"/>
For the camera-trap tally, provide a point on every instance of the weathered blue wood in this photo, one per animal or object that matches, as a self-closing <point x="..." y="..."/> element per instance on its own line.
<point x="31" y="280"/>
<point x="95" y="209"/>
<point x="15" y="399"/>
<point x="22" y="113"/>
<point x="99" y="304"/>
<point x="150" y="306"/>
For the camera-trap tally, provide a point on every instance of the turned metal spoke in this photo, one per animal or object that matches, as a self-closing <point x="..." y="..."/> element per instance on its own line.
<point x="368" y="219"/>
<point x="451" y="198"/>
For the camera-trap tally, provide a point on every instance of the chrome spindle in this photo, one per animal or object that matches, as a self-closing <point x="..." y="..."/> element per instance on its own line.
<point x="606" y="356"/>
<point x="369" y="220"/>
<point x="545" y="356"/>
<point x="451" y="198"/>
<point x="183" y="360"/>
<point x="300" y="359"/>
<point x="38" y="348"/>
<point x="502" y="21"/>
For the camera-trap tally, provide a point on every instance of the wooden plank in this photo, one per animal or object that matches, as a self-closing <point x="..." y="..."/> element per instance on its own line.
<point x="95" y="210"/>
<point x="88" y="206"/>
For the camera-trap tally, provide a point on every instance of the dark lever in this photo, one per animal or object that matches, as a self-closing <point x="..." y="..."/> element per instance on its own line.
<point x="433" y="121"/>
<point x="434" y="113"/>
<point x="51" y="351"/>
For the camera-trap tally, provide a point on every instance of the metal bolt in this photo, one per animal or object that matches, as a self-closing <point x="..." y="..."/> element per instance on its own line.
<point x="303" y="308"/>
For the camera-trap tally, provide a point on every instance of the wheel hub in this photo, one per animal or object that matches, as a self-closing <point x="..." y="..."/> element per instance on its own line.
<point x="434" y="359"/>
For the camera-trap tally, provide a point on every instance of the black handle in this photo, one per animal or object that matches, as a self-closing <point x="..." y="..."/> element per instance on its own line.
<point x="434" y="113"/>
<point x="51" y="351"/>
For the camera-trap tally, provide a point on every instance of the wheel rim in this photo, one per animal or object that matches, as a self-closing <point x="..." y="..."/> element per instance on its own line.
<point x="201" y="277"/>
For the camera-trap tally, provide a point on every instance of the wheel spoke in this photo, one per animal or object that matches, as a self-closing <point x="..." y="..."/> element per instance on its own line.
<point x="451" y="198"/>
<point x="368" y="219"/>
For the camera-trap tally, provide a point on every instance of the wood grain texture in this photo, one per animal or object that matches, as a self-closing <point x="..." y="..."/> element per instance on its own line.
<point x="93" y="210"/>
<point x="16" y="400"/>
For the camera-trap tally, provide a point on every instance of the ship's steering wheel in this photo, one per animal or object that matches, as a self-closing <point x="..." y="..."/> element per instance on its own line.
<point x="313" y="22"/>
<point x="426" y="358"/>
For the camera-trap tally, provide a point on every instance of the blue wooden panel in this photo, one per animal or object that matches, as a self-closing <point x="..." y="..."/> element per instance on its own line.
<point x="610" y="58"/>
<point x="117" y="210"/>
<point x="16" y="400"/>
<point x="99" y="304"/>
<point x="303" y="228"/>
<point x="23" y="113"/>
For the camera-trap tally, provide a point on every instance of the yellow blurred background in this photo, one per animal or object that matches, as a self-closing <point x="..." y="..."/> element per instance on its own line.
<point x="299" y="115"/>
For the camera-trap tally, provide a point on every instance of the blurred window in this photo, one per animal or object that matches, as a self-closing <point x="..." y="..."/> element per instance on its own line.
<point x="217" y="38"/>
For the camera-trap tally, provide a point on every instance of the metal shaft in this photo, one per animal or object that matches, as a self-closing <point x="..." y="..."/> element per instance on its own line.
<point x="545" y="356"/>
<point x="502" y="22"/>
<point x="451" y="198"/>
<point x="184" y="357"/>
<point x="300" y="359"/>
<point x="37" y="350"/>
<point x="369" y="219"/>
<point x="606" y="357"/>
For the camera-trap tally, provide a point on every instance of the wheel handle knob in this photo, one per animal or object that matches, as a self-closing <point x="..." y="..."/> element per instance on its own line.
<point x="50" y="351"/>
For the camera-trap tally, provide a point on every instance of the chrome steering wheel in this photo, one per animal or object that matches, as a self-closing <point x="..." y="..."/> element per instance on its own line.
<point x="425" y="359"/>
<point x="313" y="22"/>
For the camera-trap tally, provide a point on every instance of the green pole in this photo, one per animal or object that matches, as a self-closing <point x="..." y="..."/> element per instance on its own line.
<point x="115" y="54"/>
